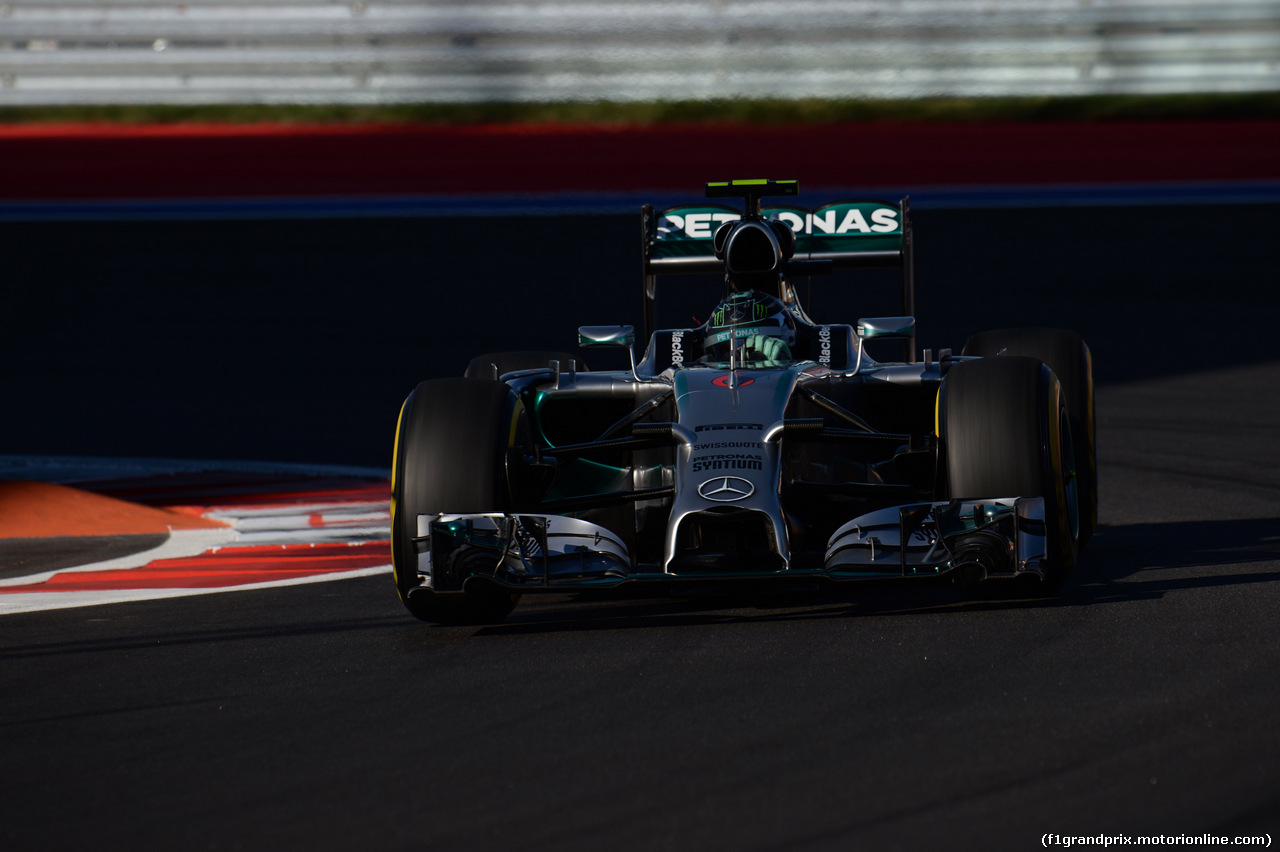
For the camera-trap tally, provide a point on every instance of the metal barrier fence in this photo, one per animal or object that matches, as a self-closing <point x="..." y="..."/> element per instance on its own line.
<point x="415" y="51"/>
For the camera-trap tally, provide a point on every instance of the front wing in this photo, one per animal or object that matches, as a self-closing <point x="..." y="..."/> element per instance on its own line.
<point x="997" y="539"/>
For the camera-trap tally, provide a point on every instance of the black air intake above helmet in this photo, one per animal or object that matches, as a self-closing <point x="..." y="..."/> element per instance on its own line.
<point x="752" y="247"/>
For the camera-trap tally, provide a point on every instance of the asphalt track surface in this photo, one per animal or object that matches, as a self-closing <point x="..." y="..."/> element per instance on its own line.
<point x="1141" y="702"/>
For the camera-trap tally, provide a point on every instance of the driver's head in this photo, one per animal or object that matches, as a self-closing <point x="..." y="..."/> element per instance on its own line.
<point x="749" y="316"/>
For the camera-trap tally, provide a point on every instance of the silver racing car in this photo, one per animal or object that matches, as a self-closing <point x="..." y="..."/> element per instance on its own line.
<point x="758" y="447"/>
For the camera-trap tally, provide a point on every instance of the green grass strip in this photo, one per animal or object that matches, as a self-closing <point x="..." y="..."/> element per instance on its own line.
<point x="812" y="111"/>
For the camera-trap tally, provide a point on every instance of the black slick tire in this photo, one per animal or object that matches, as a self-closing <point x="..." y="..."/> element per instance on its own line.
<point x="450" y="456"/>
<point x="1005" y="433"/>
<point x="1071" y="361"/>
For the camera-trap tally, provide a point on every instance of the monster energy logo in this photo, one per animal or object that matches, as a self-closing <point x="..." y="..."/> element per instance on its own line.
<point x="758" y="312"/>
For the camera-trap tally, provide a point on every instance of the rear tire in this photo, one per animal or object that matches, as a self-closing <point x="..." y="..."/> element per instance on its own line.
<point x="481" y="366"/>
<point x="450" y="456"/>
<point x="1071" y="361"/>
<point x="1005" y="431"/>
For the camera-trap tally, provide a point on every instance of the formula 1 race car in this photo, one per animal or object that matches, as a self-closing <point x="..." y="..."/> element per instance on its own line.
<point x="759" y="446"/>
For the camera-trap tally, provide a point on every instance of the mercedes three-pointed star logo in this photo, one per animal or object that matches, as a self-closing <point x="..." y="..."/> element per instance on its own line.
<point x="726" y="489"/>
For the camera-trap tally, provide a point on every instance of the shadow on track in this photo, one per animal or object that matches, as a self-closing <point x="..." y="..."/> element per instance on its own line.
<point x="1187" y="544"/>
<point x="1144" y="561"/>
<point x="1123" y="563"/>
<point x="172" y="638"/>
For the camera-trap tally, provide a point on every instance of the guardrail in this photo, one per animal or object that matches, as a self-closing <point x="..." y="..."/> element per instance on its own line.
<point x="402" y="51"/>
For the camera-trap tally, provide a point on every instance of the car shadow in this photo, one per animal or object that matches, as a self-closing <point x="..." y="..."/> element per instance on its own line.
<point x="1121" y="563"/>
<point x="1144" y="561"/>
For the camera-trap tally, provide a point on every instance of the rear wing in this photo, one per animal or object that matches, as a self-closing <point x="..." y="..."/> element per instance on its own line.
<point x="848" y="234"/>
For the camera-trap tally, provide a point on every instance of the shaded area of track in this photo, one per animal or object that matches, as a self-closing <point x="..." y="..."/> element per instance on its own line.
<point x="23" y="557"/>
<point x="1141" y="702"/>
<point x="297" y="341"/>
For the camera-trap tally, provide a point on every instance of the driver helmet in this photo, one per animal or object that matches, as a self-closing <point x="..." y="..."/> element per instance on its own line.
<point x="747" y="318"/>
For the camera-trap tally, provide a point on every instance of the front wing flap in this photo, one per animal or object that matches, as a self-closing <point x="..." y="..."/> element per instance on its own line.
<point x="518" y="551"/>
<point x="999" y="538"/>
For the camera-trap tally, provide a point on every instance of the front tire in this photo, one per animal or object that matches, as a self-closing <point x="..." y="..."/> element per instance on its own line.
<point x="1071" y="361"/>
<point x="450" y="456"/>
<point x="1006" y="433"/>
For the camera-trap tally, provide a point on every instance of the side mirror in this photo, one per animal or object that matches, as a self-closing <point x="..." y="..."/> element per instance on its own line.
<point x="886" y="327"/>
<point x="606" y="335"/>
<point x="610" y="335"/>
